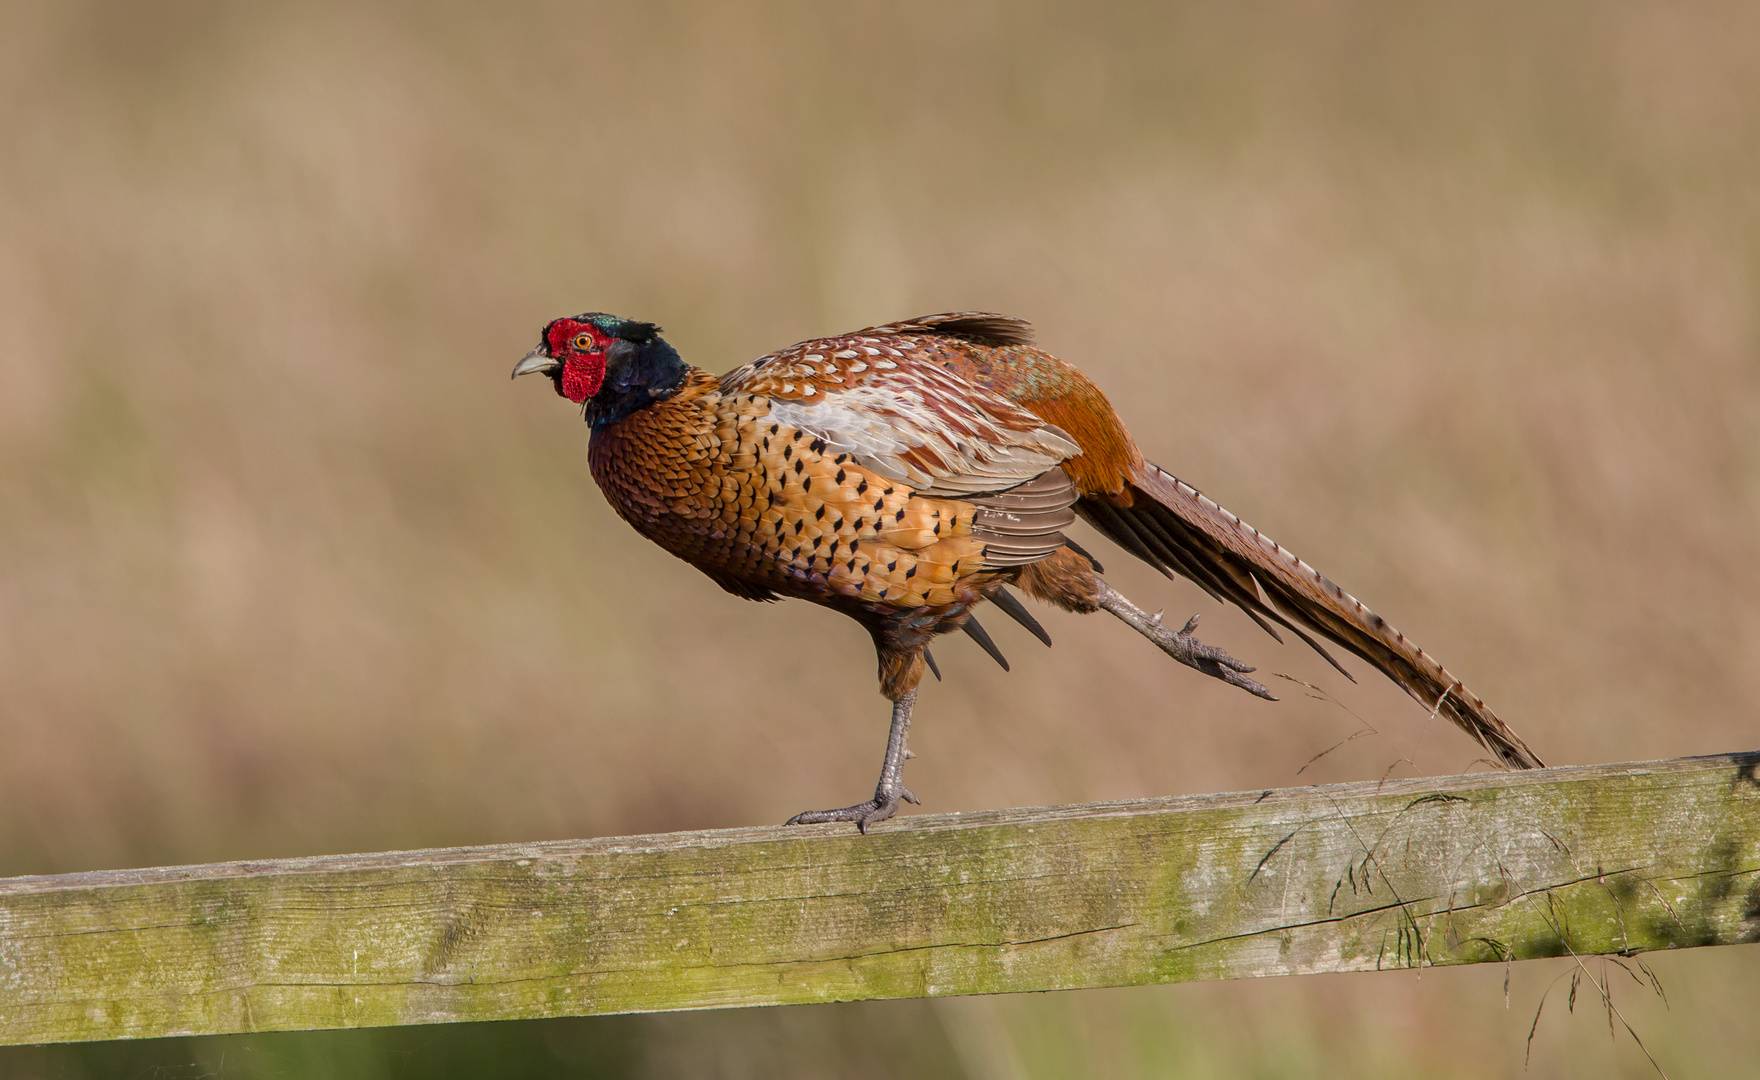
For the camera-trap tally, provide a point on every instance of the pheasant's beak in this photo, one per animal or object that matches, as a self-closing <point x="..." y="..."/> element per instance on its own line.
<point x="539" y="359"/>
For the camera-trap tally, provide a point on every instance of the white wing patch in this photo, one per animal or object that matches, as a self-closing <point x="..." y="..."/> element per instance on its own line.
<point x="895" y="431"/>
<point x="903" y="414"/>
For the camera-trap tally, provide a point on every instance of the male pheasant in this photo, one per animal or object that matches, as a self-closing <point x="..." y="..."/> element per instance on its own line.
<point x="906" y="473"/>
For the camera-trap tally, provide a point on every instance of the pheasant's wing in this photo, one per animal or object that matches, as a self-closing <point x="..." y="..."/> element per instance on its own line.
<point x="896" y="406"/>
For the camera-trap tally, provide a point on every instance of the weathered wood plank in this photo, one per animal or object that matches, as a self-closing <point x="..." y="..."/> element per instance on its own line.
<point x="1463" y="869"/>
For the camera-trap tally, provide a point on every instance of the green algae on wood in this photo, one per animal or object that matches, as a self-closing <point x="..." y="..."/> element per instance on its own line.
<point x="1467" y="869"/>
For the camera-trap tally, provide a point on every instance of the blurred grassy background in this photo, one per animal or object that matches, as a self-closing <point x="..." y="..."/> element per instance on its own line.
<point x="1457" y="301"/>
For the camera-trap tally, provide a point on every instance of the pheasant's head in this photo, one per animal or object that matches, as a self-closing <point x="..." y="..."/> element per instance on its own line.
<point x="612" y="367"/>
<point x="576" y="352"/>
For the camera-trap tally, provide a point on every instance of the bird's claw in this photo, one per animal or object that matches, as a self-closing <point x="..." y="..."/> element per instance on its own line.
<point x="882" y="806"/>
<point x="1209" y="659"/>
<point x="1180" y="644"/>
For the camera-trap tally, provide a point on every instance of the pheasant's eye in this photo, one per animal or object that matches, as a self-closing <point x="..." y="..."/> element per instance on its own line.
<point x="583" y="342"/>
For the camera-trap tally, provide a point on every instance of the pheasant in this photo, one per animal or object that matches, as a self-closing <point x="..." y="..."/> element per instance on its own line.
<point x="907" y="473"/>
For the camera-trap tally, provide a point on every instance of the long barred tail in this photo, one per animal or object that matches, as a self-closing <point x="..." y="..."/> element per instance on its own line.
<point x="1173" y="527"/>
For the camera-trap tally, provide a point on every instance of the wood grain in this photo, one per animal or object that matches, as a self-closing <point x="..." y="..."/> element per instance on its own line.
<point x="1467" y="869"/>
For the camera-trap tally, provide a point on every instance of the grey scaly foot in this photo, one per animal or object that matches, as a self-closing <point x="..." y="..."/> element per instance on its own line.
<point x="879" y="808"/>
<point x="889" y="791"/>
<point x="1180" y="644"/>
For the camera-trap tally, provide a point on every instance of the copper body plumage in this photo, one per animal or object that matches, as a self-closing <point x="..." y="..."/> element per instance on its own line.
<point x="907" y="473"/>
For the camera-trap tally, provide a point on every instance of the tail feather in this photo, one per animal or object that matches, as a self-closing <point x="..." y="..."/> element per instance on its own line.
<point x="1124" y="532"/>
<point x="1170" y="525"/>
<point x="1017" y="611"/>
<point x="1141" y="535"/>
<point x="977" y="633"/>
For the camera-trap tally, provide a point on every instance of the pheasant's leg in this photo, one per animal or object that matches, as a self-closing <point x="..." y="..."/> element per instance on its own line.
<point x="1180" y="644"/>
<point x="889" y="790"/>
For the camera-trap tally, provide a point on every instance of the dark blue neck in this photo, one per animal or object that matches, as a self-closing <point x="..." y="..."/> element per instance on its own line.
<point x="636" y="376"/>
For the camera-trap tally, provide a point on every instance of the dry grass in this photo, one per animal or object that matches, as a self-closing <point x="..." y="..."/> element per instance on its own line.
<point x="1459" y="303"/>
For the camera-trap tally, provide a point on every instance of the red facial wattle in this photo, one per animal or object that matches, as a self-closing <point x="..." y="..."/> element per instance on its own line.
<point x="583" y="370"/>
<point x="582" y="375"/>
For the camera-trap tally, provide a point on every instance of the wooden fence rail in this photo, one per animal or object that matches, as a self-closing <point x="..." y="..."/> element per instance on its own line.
<point x="1467" y="869"/>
